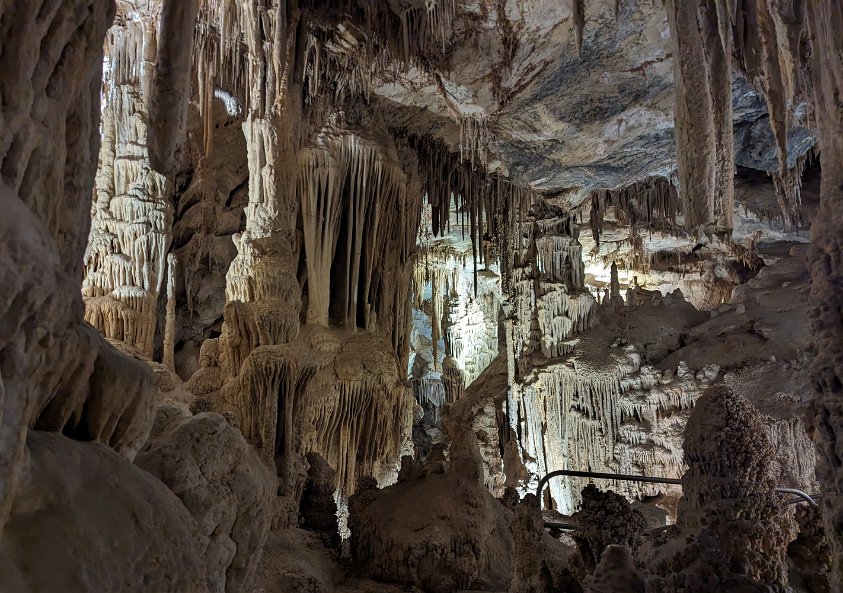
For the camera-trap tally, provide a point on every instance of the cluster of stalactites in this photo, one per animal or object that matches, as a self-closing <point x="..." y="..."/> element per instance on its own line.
<point x="437" y="265"/>
<point x="492" y="209"/>
<point x="239" y="47"/>
<point x="768" y="42"/>
<point x="129" y="51"/>
<point x="353" y="198"/>
<point x="702" y="49"/>
<point x="653" y="203"/>
<point x="559" y="252"/>
<point x="474" y="138"/>
<point x="772" y="47"/>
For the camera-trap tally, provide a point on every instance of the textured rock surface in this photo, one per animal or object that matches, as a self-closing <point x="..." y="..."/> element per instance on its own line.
<point x="131" y="230"/>
<point x="809" y="556"/>
<point x="58" y="373"/>
<point x="605" y="519"/>
<point x="733" y="527"/>
<point x="440" y="532"/>
<point x="223" y="485"/>
<point x="80" y="501"/>
<point x="825" y="19"/>
<point x="336" y="393"/>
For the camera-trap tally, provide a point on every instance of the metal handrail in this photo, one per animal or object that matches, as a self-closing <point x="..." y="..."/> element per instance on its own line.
<point x="804" y="496"/>
<point x="653" y="480"/>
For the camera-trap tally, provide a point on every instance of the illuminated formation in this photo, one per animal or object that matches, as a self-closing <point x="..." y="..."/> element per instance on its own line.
<point x="310" y="296"/>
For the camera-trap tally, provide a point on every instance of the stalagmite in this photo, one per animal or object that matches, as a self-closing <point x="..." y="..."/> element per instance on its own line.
<point x="728" y="496"/>
<point x="170" y="317"/>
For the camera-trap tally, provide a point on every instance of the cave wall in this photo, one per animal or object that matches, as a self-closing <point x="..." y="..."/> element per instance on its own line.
<point x="314" y="326"/>
<point x="57" y="373"/>
<point x="825" y="21"/>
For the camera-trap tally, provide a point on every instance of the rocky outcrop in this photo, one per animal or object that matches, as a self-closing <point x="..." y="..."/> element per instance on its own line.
<point x="86" y="520"/>
<point x="809" y="555"/>
<point x="222" y="483"/>
<point x="60" y="375"/>
<point x="318" y="508"/>
<point x="442" y="531"/>
<point x="530" y="571"/>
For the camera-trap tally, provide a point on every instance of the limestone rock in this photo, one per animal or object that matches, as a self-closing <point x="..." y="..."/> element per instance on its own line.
<point x="224" y="486"/>
<point x="615" y="573"/>
<point x="318" y="509"/>
<point x="439" y="532"/>
<point x="809" y="555"/>
<point x="87" y="520"/>
<point x="64" y="377"/>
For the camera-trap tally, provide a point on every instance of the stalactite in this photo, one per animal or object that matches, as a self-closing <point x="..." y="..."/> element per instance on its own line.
<point x="781" y="33"/>
<point x="702" y="114"/>
<point x="170" y="319"/>
<point x="771" y="49"/>
<point x="474" y="139"/>
<point x="578" y="7"/>
<point x="496" y="207"/>
<point x="467" y="323"/>
<point x="171" y="87"/>
<point x="652" y="203"/>
<point x="338" y="396"/>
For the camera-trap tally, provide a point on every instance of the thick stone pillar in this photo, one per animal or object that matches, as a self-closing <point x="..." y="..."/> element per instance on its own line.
<point x="131" y="229"/>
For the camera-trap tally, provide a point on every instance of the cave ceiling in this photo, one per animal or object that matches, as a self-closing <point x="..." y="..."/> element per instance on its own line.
<point x="565" y="121"/>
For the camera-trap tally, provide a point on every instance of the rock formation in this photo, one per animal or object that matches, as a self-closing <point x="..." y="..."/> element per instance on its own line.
<point x="605" y="519"/>
<point x="224" y="486"/>
<point x="307" y="295"/>
<point x="88" y="499"/>
<point x="736" y="529"/>
<point x="413" y="534"/>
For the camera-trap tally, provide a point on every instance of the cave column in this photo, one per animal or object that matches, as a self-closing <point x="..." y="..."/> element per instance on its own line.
<point x="262" y="289"/>
<point x="826" y="262"/>
<point x="131" y="228"/>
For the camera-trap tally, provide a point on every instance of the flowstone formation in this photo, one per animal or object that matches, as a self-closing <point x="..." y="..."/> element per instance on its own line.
<point x="126" y="259"/>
